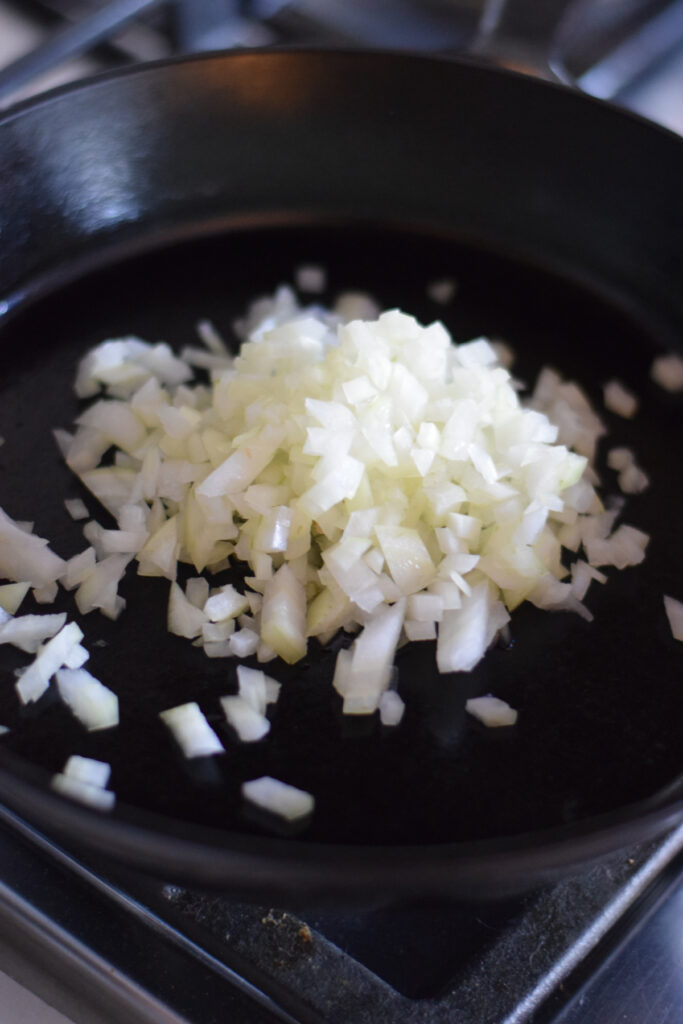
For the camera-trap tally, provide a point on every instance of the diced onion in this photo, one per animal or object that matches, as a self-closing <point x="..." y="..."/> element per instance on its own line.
<point x="491" y="711"/>
<point x="667" y="371"/>
<point x="34" y="680"/>
<point x="83" y="792"/>
<point x="619" y="399"/>
<point x="310" y="277"/>
<point x="76" y="508"/>
<point x="84" y="779"/>
<point x="391" y="708"/>
<point x="372" y="475"/>
<point x="86" y="769"/>
<point x="11" y="596"/>
<point x="442" y="290"/>
<point x="674" y="613"/>
<point x="278" y="798"/>
<point x="25" y="557"/>
<point x="191" y="731"/>
<point x="28" y="632"/>
<point x="249" y="724"/>
<point x="94" y="704"/>
<point x="256" y="688"/>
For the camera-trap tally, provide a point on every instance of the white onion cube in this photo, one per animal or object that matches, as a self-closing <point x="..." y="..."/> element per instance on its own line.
<point x="491" y="711"/>
<point x="86" y="769"/>
<point x="674" y="613"/>
<point x="278" y="798"/>
<point x="249" y="724"/>
<point x="83" y="792"/>
<point x="93" y="704"/>
<point x="191" y="731"/>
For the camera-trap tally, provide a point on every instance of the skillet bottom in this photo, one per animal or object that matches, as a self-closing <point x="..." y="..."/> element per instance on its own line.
<point x="600" y="704"/>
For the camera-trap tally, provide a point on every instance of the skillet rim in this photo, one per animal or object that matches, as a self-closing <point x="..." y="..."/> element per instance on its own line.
<point x="347" y="53"/>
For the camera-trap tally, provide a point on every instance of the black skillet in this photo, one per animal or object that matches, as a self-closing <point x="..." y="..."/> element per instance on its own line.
<point x="143" y="201"/>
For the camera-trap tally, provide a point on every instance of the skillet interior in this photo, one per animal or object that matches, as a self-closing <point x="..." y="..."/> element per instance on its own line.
<point x="600" y="705"/>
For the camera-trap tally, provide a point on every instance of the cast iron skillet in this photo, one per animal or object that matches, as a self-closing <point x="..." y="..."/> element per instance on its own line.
<point x="144" y="201"/>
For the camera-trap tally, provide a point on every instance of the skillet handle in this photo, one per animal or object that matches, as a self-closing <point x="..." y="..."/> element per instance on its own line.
<point x="522" y="35"/>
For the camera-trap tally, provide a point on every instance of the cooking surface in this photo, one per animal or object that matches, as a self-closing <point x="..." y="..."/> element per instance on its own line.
<point x="594" y="699"/>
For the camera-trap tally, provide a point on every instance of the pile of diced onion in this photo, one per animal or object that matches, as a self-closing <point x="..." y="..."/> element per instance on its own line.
<point x="375" y="478"/>
<point x="372" y="475"/>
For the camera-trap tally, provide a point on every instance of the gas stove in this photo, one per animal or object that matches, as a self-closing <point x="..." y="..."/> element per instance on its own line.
<point x="104" y="944"/>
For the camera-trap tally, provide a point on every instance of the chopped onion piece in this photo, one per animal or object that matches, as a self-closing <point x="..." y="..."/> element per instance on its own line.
<point x="75" y="656"/>
<point x="211" y="338"/>
<point x="442" y="290"/>
<point x="283" y="616"/>
<point x="310" y="277"/>
<point x="46" y="594"/>
<point x="391" y="708"/>
<point x="420" y="630"/>
<point x="217" y="648"/>
<point x="249" y="724"/>
<point x="620" y="458"/>
<point x="619" y="399"/>
<point x="76" y="508"/>
<point x="465" y="634"/>
<point x="24" y="557"/>
<point x="409" y="562"/>
<point x="492" y="711"/>
<point x="278" y="798"/>
<point x="367" y="673"/>
<point x="197" y="591"/>
<point x="83" y="792"/>
<point x="633" y="480"/>
<point x="34" y="680"/>
<point x="227" y="603"/>
<point x="667" y="371"/>
<point x="256" y="688"/>
<point x="78" y="569"/>
<point x="184" y="618"/>
<point x="100" y="587"/>
<point x="191" y="731"/>
<point x="122" y="365"/>
<point x="505" y="354"/>
<point x="244" y="642"/>
<point x="356" y="306"/>
<point x="674" y="613"/>
<point x="11" y="596"/>
<point x="86" y="769"/>
<point x="93" y="704"/>
<point x="582" y="575"/>
<point x="625" y="547"/>
<point x="28" y="632"/>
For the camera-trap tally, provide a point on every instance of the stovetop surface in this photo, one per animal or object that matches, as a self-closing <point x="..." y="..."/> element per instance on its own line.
<point x="129" y="947"/>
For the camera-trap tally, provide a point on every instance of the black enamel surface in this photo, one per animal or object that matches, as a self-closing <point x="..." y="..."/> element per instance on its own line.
<point x="600" y="704"/>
